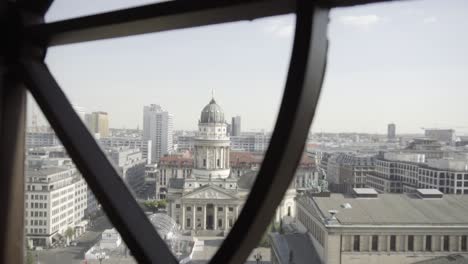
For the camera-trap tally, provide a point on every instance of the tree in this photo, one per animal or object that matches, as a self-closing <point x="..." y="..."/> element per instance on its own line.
<point x="152" y="205"/>
<point x="29" y="257"/>
<point x="69" y="233"/>
<point x="162" y="204"/>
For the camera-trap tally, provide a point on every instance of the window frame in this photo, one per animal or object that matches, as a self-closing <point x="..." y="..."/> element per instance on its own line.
<point x="22" y="67"/>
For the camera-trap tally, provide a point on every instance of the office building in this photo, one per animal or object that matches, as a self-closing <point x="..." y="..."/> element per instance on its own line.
<point x="348" y="170"/>
<point x="391" y="132"/>
<point x="236" y="126"/>
<point x="251" y="142"/>
<point x="132" y="142"/>
<point x="41" y="139"/>
<point x="368" y="227"/>
<point x="443" y="135"/>
<point x="157" y="127"/>
<point x="406" y="172"/>
<point x="130" y="164"/>
<point x="55" y="201"/>
<point x="98" y="123"/>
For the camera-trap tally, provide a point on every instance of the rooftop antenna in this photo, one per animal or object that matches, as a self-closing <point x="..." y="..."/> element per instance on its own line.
<point x="212" y="93"/>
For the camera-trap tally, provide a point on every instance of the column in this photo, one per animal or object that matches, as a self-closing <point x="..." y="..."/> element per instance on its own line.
<point x="215" y="220"/>
<point x="225" y="157"/>
<point x="194" y="224"/>
<point x="204" y="217"/>
<point x="237" y="213"/>
<point x="183" y="216"/>
<point x="226" y="226"/>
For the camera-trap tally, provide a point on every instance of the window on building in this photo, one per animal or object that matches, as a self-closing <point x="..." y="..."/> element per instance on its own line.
<point x="220" y="223"/>
<point x="231" y="209"/>
<point x="410" y="243"/>
<point x="220" y="209"/>
<point x="177" y="206"/>
<point x="218" y="163"/>
<point x="188" y="224"/>
<point x="446" y="243"/>
<point x="204" y="162"/>
<point x="392" y="243"/>
<point x="356" y="243"/>
<point x="375" y="243"/>
<point x="464" y="243"/>
<point x="428" y="243"/>
<point x="199" y="209"/>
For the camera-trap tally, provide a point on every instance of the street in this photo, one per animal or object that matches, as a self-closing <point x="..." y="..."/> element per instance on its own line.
<point x="73" y="254"/>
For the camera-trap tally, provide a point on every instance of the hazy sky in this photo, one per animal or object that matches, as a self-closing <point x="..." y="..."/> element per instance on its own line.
<point x="402" y="62"/>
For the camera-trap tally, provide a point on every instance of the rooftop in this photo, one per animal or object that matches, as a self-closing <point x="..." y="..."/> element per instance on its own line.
<point x="43" y="172"/>
<point x="294" y="248"/>
<point x="395" y="209"/>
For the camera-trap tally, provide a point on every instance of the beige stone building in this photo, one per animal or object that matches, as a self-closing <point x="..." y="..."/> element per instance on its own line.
<point x="385" y="228"/>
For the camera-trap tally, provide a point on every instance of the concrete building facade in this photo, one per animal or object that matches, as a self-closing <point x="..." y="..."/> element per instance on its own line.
<point x="135" y="143"/>
<point x="236" y="126"/>
<point x="158" y="127"/>
<point x="385" y="228"/>
<point x="55" y="200"/>
<point x="98" y="123"/>
<point x="130" y="164"/>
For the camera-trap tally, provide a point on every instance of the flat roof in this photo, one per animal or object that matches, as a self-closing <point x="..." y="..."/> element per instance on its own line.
<point x="429" y="191"/>
<point x="396" y="209"/>
<point x="32" y="172"/>
<point x="365" y="191"/>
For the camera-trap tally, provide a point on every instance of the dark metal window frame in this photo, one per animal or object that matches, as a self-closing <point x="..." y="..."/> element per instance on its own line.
<point x="25" y="39"/>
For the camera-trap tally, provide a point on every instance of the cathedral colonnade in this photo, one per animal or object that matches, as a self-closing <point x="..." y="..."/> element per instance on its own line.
<point x="208" y="216"/>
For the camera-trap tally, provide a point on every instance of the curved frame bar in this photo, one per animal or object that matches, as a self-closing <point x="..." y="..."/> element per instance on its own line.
<point x="303" y="85"/>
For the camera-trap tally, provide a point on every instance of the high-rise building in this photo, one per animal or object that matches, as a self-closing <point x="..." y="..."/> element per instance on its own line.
<point x="391" y="131"/>
<point x="157" y="127"/>
<point x="236" y="126"/>
<point x="98" y="123"/>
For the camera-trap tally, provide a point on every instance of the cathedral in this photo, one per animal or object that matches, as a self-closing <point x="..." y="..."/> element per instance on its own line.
<point x="207" y="195"/>
<point x="209" y="198"/>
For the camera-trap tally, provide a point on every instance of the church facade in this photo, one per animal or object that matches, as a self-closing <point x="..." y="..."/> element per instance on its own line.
<point x="207" y="190"/>
<point x="209" y="198"/>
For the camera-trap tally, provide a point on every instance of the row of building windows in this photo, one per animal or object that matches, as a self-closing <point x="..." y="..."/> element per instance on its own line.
<point x="36" y="231"/>
<point x="38" y="213"/>
<point x="37" y="205"/>
<point x="410" y="243"/>
<point x="36" y="197"/>
<point x="38" y="222"/>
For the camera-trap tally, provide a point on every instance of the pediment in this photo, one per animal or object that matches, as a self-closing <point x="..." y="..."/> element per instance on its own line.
<point x="209" y="193"/>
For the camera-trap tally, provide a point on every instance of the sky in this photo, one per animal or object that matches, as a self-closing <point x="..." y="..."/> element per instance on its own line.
<point x="404" y="62"/>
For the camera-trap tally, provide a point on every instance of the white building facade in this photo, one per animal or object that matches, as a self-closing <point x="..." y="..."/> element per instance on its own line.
<point x="158" y="127"/>
<point x="56" y="199"/>
<point x="387" y="228"/>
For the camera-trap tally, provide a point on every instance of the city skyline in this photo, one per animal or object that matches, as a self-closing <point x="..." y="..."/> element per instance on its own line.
<point x="381" y="68"/>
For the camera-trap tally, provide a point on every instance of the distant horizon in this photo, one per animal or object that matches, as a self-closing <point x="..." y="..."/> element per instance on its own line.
<point x="380" y="68"/>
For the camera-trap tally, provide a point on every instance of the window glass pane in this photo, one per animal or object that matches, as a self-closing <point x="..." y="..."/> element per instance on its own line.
<point x="185" y="117"/>
<point x="62" y="9"/>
